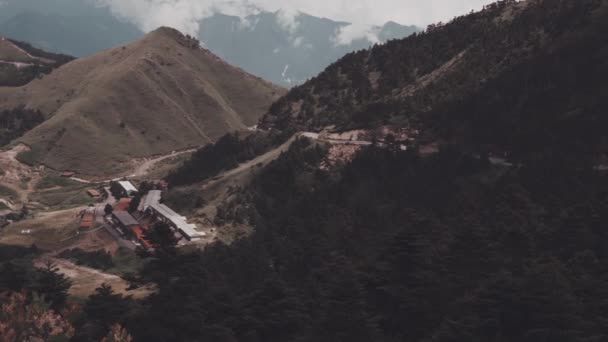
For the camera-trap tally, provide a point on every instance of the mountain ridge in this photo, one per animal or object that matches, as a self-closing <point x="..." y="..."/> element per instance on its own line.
<point x="418" y="81"/>
<point x="156" y="95"/>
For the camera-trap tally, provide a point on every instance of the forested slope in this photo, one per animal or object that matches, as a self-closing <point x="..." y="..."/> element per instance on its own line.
<point x="398" y="245"/>
<point x="531" y="71"/>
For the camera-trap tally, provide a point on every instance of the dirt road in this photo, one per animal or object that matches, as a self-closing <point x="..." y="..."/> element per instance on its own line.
<point x="85" y="279"/>
<point x="144" y="166"/>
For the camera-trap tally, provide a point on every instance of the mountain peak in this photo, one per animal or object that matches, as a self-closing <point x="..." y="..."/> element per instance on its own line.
<point x="156" y="95"/>
<point x="167" y="31"/>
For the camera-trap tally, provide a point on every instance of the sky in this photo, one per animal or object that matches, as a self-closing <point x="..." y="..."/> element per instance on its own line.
<point x="185" y="14"/>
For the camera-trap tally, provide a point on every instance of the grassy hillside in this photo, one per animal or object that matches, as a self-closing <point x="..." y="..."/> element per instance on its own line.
<point x="156" y="95"/>
<point x="20" y="62"/>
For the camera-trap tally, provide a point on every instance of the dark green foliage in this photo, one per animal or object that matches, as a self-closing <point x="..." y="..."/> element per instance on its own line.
<point x="52" y="285"/>
<point x="487" y="75"/>
<point x="101" y="310"/>
<point x="162" y="237"/>
<point x="117" y="191"/>
<point x="100" y="259"/>
<point x="134" y="204"/>
<point x="226" y="153"/>
<point x="396" y="247"/>
<point x="184" y="200"/>
<point x="16" y="269"/>
<point x="108" y="209"/>
<point x="15" y="122"/>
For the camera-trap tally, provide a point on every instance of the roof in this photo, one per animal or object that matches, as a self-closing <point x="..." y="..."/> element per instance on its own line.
<point x="122" y="204"/>
<point x="128" y="186"/>
<point x="87" y="220"/>
<point x="139" y="233"/>
<point x="68" y="174"/>
<point x="93" y="193"/>
<point x="153" y="197"/>
<point x="125" y="218"/>
<point x="152" y="200"/>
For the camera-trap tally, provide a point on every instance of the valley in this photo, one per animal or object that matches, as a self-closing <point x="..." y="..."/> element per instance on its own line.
<point x="447" y="186"/>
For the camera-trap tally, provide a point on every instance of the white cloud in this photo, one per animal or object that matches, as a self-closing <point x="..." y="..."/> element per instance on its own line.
<point x="287" y="18"/>
<point x="185" y="14"/>
<point x="347" y="34"/>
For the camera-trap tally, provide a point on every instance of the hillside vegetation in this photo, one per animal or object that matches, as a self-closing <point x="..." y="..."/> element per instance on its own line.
<point x="524" y="71"/>
<point x="154" y="96"/>
<point x="394" y="244"/>
<point x="20" y="62"/>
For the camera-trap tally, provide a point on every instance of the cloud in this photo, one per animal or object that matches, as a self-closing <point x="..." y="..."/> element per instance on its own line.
<point x="186" y="14"/>
<point x="347" y="34"/>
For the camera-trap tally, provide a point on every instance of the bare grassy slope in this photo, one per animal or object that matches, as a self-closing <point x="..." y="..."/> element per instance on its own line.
<point x="10" y="53"/>
<point x="156" y="95"/>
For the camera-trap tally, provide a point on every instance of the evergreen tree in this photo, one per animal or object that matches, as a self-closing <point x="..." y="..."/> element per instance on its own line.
<point x="52" y="285"/>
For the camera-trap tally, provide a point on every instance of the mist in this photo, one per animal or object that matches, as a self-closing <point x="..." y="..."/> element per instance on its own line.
<point x="185" y="15"/>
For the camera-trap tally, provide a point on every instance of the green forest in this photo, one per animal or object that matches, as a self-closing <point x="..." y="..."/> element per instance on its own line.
<point x="394" y="245"/>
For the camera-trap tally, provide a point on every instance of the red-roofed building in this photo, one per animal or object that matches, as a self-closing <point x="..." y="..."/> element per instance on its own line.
<point x="86" y="221"/>
<point x="93" y="193"/>
<point x="123" y="204"/>
<point x="139" y="235"/>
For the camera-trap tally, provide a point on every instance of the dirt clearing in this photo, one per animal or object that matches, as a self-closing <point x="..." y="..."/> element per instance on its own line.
<point x="85" y="280"/>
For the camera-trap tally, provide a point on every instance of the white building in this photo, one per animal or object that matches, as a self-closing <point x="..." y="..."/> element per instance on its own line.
<point x="128" y="187"/>
<point x="164" y="213"/>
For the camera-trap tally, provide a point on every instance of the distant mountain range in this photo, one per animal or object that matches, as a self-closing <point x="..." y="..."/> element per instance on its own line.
<point x="259" y="43"/>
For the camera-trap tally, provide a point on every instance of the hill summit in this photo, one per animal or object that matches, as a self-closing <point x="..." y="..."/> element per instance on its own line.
<point x="158" y="94"/>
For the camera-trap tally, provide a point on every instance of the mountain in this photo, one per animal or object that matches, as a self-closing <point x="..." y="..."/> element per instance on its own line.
<point x="75" y="27"/>
<point x="498" y="234"/>
<point x="486" y="78"/>
<point x="80" y="35"/>
<point x="265" y="46"/>
<point x="20" y="62"/>
<point x="153" y="96"/>
<point x="393" y="244"/>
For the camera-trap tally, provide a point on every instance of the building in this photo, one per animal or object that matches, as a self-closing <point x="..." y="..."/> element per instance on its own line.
<point x="122" y="204"/>
<point x="93" y="193"/>
<point x="87" y="218"/>
<point x="128" y="188"/>
<point x="138" y="232"/>
<point x="86" y="221"/>
<point x="124" y="220"/>
<point x="68" y="174"/>
<point x="165" y="214"/>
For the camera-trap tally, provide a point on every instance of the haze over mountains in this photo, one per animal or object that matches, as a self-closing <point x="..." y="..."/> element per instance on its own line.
<point x="153" y="96"/>
<point x="260" y="43"/>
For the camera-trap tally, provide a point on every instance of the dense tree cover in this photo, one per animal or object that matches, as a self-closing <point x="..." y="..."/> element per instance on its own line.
<point x="15" y="122"/>
<point x="100" y="259"/>
<point x="554" y="101"/>
<point x="33" y="304"/>
<point x="117" y="191"/>
<point x="17" y="273"/>
<point x="103" y="310"/>
<point x="404" y="79"/>
<point x="396" y="247"/>
<point x="224" y="154"/>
